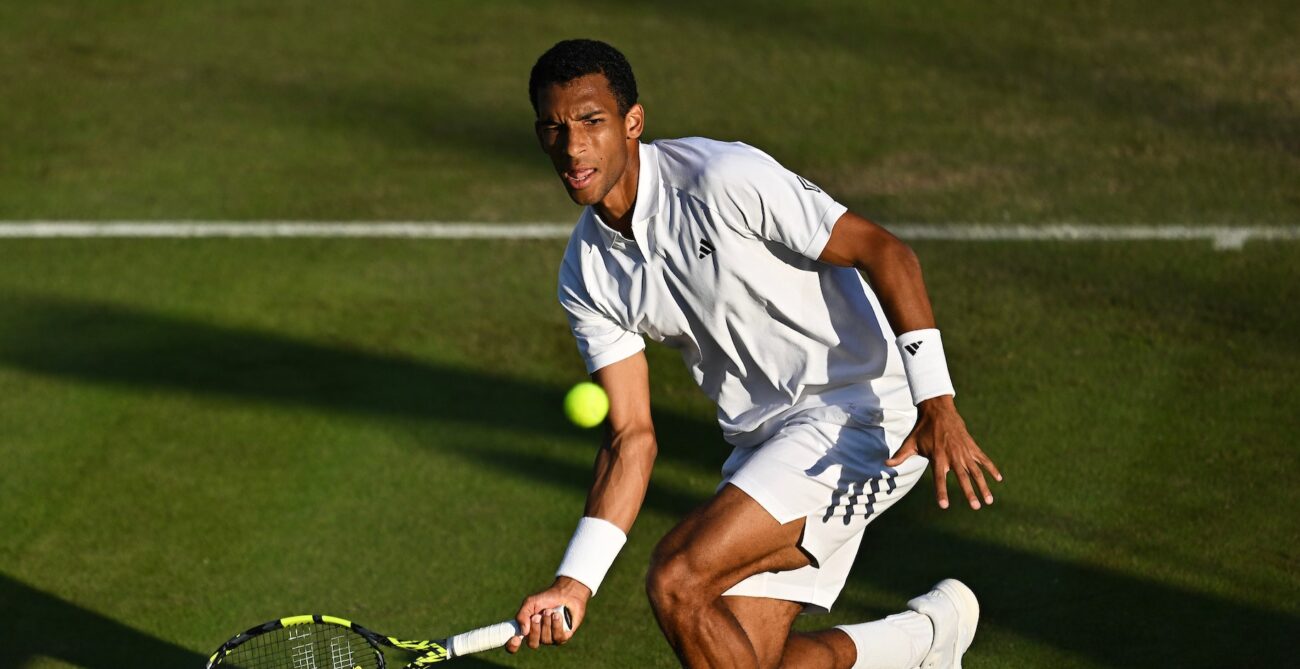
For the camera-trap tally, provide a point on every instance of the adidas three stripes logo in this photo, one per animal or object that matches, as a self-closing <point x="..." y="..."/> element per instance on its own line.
<point x="706" y="247"/>
<point x="912" y="347"/>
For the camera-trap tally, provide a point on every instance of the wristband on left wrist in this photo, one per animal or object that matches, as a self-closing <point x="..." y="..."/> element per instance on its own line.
<point x="925" y="364"/>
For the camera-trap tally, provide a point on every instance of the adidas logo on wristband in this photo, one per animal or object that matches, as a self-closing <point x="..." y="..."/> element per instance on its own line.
<point x="926" y="376"/>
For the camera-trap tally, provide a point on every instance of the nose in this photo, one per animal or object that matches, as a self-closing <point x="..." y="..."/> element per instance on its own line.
<point x="575" y="140"/>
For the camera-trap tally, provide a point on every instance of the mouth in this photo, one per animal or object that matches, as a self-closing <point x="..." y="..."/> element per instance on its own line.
<point x="579" y="178"/>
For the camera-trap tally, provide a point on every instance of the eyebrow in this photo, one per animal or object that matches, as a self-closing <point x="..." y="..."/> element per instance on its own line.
<point x="583" y="117"/>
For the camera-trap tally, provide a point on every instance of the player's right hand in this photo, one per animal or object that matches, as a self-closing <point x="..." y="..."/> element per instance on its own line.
<point x="539" y="617"/>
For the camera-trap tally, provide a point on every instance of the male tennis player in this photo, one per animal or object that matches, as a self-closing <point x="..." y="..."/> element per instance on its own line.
<point x="753" y="273"/>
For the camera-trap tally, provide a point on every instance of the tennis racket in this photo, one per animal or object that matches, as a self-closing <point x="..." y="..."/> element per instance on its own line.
<point x="326" y="642"/>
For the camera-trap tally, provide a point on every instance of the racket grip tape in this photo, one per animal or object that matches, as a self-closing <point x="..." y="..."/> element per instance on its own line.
<point x="492" y="636"/>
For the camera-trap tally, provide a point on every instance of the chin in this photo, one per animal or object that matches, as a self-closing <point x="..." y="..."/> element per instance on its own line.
<point x="585" y="197"/>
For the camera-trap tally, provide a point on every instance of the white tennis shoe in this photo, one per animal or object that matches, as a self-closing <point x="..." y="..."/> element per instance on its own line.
<point x="954" y="612"/>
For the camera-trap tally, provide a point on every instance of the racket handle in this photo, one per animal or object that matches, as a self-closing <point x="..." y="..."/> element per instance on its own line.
<point x="492" y="636"/>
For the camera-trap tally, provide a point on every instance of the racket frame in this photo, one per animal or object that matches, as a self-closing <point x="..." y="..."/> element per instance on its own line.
<point x="432" y="651"/>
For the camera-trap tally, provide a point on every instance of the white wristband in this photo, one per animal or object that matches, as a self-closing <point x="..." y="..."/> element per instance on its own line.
<point x="591" y="551"/>
<point x="927" y="370"/>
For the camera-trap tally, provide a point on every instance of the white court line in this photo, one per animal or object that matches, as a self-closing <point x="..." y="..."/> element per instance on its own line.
<point x="319" y="229"/>
<point x="1223" y="237"/>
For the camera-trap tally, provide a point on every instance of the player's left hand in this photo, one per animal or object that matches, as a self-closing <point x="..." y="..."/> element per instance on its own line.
<point x="940" y="435"/>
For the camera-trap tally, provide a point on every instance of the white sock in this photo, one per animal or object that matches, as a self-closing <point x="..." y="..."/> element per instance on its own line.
<point x="897" y="642"/>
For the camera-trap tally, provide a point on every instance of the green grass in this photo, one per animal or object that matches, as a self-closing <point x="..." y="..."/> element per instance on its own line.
<point x="1104" y="111"/>
<point x="204" y="434"/>
<point x="199" y="435"/>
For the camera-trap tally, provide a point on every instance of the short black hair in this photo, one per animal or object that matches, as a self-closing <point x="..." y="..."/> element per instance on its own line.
<point x="575" y="58"/>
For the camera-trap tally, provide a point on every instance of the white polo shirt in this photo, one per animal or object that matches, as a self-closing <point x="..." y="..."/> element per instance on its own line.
<point x="723" y="267"/>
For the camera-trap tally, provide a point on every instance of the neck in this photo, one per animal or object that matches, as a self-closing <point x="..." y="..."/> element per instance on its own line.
<point x="620" y="202"/>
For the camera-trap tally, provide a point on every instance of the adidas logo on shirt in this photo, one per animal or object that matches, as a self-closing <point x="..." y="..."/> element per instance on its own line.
<point x="706" y="247"/>
<point x="912" y="347"/>
<point x="808" y="185"/>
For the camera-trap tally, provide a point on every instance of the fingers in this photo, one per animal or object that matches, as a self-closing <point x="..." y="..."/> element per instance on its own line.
<point x="547" y="628"/>
<point x="941" y="481"/>
<point x="524" y="617"/>
<point x="560" y="633"/>
<point x="993" y="469"/>
<point x="539" y="627"/>
<point x="535" y="631"/>
<point x="523" y="620"/>
<point x="963" y="479"/>
<point x="554" y="622"/>
<point x="943" y="438"/>
<point x="983" y="485"/>
<point x="907" y="450"/>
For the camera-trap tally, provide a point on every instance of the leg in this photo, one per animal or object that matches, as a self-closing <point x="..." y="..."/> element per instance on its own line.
<point x="801" y="499"/>
<point x="823" y="649"/>
<point x="767" y="624"/>
<point x="897" y="642"/>
<point x="718" y="545"/>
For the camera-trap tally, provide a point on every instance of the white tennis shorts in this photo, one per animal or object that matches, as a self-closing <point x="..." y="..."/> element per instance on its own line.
<point x="834" y="476"/>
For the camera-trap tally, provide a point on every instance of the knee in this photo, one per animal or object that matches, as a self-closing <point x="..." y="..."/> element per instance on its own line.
<point x="672" y="584"/>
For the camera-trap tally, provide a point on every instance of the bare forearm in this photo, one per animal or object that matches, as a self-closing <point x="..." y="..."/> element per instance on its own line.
<point x="623" y="467"/>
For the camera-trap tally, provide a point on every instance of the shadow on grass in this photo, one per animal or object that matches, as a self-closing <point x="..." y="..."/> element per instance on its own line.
<point x="1107" y="616"/>
<point x="118" y="346"/>
<point x="434" y="116"/>
<point x="1111" y="618"/>
<point x="1023" y="63"/>
<point x="38" y="624"/>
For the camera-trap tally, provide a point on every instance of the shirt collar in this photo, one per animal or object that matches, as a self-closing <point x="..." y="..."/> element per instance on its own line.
<point x="647" y="202"/>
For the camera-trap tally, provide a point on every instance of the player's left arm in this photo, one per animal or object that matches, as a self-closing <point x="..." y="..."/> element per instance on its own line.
<point x="894" y="272"/>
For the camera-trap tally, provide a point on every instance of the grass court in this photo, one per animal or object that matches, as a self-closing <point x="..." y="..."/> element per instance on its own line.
<point x="199" y="435"/>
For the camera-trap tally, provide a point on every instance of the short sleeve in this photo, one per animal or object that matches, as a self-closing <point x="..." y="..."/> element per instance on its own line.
<point x="601" y="340"/>
<point x="778" y="205"/>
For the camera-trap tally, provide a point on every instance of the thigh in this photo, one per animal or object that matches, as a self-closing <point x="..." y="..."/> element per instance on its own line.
<point x="834" y="479"/>
<point x="832" y="476"/>
<point x="729" y="539"/>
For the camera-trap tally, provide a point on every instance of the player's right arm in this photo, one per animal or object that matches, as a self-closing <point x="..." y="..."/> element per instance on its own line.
<point x="628" y="452"/>
<point x="622" y="475"/>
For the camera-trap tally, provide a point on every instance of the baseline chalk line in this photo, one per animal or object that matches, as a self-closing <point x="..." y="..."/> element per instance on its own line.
<point x="1222" y="236"/>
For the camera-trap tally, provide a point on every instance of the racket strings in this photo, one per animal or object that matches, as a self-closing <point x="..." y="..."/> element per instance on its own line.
<point x="311" y="646"/>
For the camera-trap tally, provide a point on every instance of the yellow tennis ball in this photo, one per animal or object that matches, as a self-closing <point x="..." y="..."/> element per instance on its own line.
<point x="586" y="404"/>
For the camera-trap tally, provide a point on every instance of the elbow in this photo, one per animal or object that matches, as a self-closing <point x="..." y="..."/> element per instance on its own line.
<point x="890" y="253"/>
<point x="905" y="257"/>
<point x="636" y="442"/>
<point x="644" y="445"/>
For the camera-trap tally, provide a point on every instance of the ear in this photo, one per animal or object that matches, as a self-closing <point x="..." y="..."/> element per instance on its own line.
<point x="634" y="122"/>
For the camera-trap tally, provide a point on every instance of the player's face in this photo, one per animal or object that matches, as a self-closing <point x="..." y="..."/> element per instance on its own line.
<point x="588" y="140"/>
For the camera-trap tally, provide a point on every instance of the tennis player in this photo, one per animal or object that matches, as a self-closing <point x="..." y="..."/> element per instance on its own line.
<point x="832" y="389"/>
